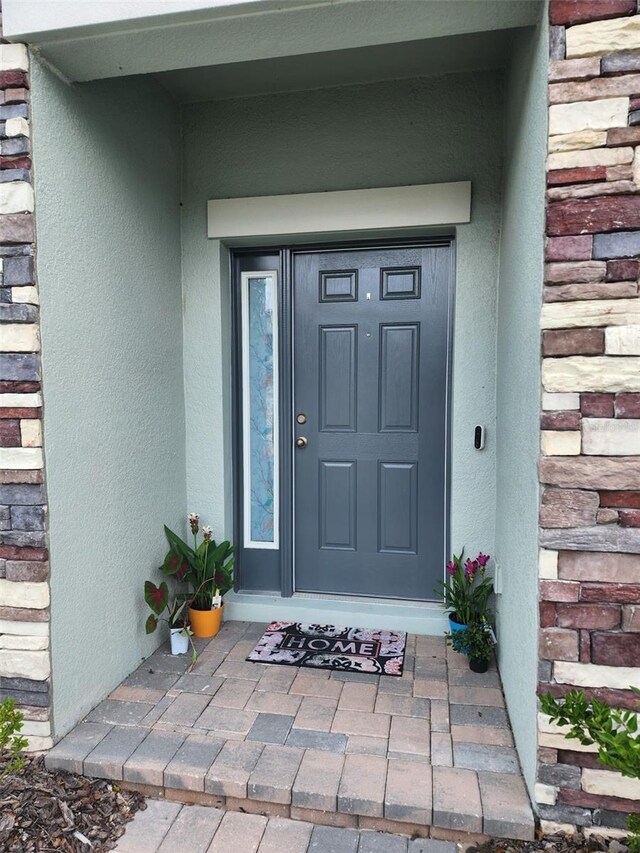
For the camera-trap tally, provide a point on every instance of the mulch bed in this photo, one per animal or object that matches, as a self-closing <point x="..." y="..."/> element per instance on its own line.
<point x="552" y="844"/>
<point x="42" y="810"/>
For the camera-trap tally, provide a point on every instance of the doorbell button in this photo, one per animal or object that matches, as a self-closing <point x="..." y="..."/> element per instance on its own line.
<point x="478" y="438"/>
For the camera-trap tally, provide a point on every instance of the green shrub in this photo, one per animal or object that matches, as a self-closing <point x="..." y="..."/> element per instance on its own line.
<point x="612" y="730"/>
<point x="11" y="743"/>
<point x="633" y="825"/>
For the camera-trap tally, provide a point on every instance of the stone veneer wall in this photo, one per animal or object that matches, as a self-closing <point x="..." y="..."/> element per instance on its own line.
<point x="24" y="569"/>
<point x="590" y="466"/>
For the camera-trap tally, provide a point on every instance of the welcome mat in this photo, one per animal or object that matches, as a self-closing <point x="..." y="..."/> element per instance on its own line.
<point x="332" y="647"/>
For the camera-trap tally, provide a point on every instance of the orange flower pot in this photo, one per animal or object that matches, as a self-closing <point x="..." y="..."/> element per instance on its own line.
<point x="205" y="623"/>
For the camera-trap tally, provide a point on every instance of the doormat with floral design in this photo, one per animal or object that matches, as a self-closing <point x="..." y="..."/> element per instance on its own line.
<point x="332" y="647"/>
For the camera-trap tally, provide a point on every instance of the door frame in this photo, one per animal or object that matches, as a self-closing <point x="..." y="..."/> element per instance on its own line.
<point x="286" y="368"/>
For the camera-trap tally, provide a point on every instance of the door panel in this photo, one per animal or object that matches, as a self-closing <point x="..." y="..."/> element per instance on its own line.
<point x="337" y="505"/>
<point x="398" y="394"/>
<point x="370" y="378"/>
<point x="338" y="378"/>
<point x="398" y="507"/>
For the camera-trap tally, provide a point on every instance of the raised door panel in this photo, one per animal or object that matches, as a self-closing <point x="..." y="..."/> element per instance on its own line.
<point x="338" y="378"/>
<point x="398" y="394"/>
<point x="400" y="283"/>
<point x="339" y="286"/>
<point x="337" y="506"/>
<point x="398" y="507"/>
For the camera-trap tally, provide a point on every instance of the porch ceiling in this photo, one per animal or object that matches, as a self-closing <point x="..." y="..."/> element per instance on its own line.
<point x="118" y="42"/>
<point x="402" y="60"/>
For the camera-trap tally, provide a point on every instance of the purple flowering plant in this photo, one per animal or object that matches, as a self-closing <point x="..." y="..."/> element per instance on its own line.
<point x="466" y="591"/>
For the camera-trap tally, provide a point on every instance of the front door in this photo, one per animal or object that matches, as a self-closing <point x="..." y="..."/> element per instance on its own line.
<point x="371" y="341"/>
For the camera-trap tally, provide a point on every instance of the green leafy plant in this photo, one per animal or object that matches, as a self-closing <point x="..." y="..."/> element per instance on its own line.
<point x="159" y="600"/>
<point x="12" y="744"/>
<point x="613" y="730"/>
<point x="633" y="825"/>
<point x="466" y="592"/>
<point x="475" y="641"/>
<point x="206" y="566"/>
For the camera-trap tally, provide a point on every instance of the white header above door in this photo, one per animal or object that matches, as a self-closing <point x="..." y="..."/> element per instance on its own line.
<point x="343" y="211"/>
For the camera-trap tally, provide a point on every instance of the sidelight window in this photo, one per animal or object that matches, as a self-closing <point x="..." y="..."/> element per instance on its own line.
<point x="260" y="408"/>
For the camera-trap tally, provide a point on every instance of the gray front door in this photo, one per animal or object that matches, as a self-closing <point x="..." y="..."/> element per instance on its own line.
<point x="371" y="333"/>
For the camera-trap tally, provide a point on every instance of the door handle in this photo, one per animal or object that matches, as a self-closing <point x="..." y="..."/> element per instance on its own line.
<point x="301" y="442"/>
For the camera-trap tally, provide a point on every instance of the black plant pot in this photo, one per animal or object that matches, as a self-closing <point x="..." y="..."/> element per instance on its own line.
<point x="478" y="664"/>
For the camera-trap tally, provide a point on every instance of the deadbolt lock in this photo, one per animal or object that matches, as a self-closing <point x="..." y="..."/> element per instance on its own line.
<point x="301" y="442"/>
<point x="301" y="419"/>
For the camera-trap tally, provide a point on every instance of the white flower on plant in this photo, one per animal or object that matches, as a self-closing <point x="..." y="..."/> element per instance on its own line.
<point x="194" y="520"/>
<point x="207" y="533"/>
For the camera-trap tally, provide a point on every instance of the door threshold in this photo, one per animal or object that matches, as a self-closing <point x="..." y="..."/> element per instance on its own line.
<point x="391" y="615"/>
<point x="365" y="599"/>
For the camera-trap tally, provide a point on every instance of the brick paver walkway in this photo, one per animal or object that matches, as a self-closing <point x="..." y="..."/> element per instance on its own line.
<point x="166" y="827"/>
<point x="431" y="752"/>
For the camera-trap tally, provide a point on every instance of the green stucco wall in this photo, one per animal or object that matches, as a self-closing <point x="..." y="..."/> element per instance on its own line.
<point x="108" y="264"/>
<point x="430" y="130"/>
<point x="520" y="287"/>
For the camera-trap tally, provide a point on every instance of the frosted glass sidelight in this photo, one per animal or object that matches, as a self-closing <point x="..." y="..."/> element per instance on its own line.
<point x="260" y="409"/>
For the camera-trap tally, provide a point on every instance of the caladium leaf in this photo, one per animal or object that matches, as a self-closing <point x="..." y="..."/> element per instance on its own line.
<point x="157" y="597"/>
<point x="174" y="564"/>
<point x="151" y="624"/>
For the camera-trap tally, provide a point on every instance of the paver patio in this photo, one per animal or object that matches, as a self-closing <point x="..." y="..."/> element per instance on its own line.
<point x="168" y="827"/>
<point x="430" y="753"/>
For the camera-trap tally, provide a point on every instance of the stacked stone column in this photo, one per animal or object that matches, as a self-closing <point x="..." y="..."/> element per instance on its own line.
<point x="24" y="567"/>
<point x="590" y="424"/>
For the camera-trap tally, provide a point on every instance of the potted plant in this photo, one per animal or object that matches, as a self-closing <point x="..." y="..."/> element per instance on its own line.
<point x="159" y="600"/>
<point x="208" y="569"/>
<point x="466" y="592"/>
<point x="476" y="640"/>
